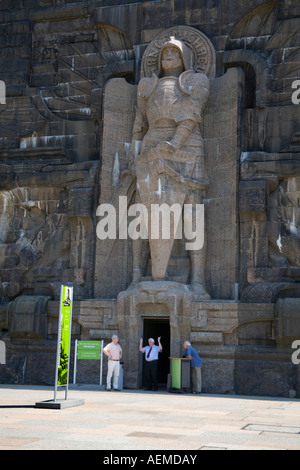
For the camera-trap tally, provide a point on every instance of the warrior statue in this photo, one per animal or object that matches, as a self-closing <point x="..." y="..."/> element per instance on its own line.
<point x="169" y="161"/>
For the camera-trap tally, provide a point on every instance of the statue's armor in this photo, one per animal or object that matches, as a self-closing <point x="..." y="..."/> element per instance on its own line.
<point x="166" y="104"/>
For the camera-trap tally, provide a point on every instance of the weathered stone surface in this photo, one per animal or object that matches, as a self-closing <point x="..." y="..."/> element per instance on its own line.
<point x="28" y="317"/>
<point x="268" y="378"/>
<point x="287" y="321"/>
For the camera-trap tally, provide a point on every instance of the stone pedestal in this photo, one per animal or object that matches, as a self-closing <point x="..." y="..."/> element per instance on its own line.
<point x="245" y="348"/>
<point x="152" y="299"/>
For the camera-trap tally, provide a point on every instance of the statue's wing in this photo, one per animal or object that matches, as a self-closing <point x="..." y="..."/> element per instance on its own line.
<point x="113" y="256"/>
<point x="119" y="105"/>
<point x="221" y="128"/>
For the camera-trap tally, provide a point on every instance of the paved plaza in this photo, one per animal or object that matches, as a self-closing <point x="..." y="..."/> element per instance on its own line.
<point x="135" y="420"/>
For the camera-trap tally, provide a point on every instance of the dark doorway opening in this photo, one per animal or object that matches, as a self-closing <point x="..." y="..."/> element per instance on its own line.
<point x="153" y="328"/>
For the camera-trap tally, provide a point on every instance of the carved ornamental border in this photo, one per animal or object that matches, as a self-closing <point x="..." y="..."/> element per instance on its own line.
<point x="204" y="56"/>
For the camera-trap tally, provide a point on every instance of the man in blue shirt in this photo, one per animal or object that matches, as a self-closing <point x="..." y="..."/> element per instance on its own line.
<point x="151" y="355"/>
<point x="196" y="364"/>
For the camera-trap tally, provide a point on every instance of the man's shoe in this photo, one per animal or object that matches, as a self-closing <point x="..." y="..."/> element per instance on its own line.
<point x="117" y="389"/>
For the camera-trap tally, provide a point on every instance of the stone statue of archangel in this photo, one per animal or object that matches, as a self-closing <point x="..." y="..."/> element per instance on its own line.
<point x="169" y="158"/>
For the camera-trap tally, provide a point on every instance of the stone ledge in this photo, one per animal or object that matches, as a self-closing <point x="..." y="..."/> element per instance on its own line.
<point x="206" y="337"/>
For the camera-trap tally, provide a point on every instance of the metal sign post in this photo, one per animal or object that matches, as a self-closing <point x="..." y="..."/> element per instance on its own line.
<point x="63" y="353"/>
<point x="64" y="340"/>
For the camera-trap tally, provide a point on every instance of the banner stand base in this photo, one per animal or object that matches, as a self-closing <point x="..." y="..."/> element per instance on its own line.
<point x="87" y="387"/>
<point x="59" y="404"/>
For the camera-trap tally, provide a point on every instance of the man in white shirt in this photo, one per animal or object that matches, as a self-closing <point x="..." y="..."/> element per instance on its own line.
<point x="114" y="353"/>
<point x="151" y="355"/>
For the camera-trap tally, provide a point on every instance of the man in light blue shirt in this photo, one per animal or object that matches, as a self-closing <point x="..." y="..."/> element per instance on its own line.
<point x="151" y="355"/>
<point x="196" y="364"/>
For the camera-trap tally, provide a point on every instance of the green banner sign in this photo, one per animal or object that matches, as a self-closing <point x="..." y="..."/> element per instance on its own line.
<point x="89" y="350"/>
<point x="64" y="336"/>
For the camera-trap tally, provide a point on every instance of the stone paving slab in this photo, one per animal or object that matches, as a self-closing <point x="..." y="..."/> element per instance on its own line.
<point x="135" y="420"/>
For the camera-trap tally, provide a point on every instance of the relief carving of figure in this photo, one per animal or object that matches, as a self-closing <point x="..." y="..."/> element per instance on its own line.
<point x="169" y="160"/>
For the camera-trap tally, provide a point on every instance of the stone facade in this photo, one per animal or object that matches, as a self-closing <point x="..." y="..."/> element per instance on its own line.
<point x="71" y="72"/>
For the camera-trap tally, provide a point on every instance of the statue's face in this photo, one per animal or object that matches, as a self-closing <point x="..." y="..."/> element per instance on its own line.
<point x="171" y="59"/>
<point x="170" y="53"/>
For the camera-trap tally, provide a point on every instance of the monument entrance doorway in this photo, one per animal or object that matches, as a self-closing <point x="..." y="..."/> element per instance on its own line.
<point x="153" y="328"/>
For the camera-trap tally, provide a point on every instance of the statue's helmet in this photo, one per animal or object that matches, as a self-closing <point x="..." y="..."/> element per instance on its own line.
<point x="185" y="53"/>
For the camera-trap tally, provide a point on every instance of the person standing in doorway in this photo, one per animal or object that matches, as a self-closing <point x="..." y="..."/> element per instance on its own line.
<point x="151" y="355"/>
<point x="196" y="363"/>
<point x="114" y="353"/>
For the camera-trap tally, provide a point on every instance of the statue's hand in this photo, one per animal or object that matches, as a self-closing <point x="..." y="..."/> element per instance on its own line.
<point x="165" y="147"/>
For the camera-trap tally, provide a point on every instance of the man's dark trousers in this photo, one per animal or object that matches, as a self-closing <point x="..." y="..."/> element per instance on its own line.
<point x="151" y="375"/>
